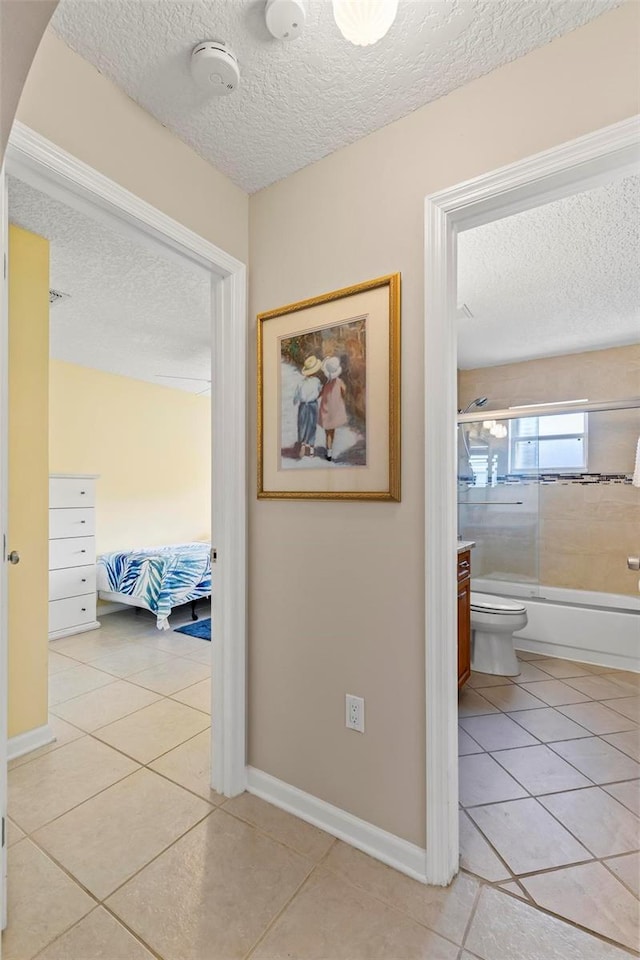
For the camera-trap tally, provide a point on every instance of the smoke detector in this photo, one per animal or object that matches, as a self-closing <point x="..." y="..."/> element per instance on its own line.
<point x="286" y="18"/>
<point x="214" y="68"/>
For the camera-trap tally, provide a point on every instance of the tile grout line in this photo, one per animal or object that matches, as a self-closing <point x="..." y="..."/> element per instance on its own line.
<point x="615" y="856"/>
<point x="517" y="878"/>
<point x="471" y="917"/>
<point x="141" y="766"/>
<point x="593" y="859"/>
<point x="221" y="806"/>
<point x="280" y="912"/>
<point x="378" y="898"/>
<point x="496" y="853"/>
<point x="76" y="805"/>
<point x="98" y="902"/>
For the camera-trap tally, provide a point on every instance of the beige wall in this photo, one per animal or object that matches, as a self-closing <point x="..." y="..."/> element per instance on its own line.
<point x="595" y="375"/>
<point x="337" y="589"/>
<point x="28" y="479"/>
<point x="22" y="23"/>
<point x="151" y="446"/>
<point x="66" y="100"/>
<point x="565" y="534"/>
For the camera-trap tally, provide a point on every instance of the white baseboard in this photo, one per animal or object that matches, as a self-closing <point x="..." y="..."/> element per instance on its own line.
<point x="30" y="740"/>
<point x="70" y="631"/>
<point x="392" y="850"/>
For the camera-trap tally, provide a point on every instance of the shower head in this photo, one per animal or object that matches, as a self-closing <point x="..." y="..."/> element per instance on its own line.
<point x="478" y="402"/>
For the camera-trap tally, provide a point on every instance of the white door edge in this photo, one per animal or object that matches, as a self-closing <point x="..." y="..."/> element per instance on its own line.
<point x="580" y="164"/>
<point x="4" y="547"/>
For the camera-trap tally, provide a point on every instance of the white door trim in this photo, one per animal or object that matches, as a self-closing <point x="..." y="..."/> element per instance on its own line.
<point x="46" y="166"/>
<point x="582" y="163"/>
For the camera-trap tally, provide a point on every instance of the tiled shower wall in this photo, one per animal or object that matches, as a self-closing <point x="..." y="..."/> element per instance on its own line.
<point x="574" y="534"/>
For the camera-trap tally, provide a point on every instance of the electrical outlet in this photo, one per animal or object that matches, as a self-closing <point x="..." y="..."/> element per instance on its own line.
<point x="354" y="713"/>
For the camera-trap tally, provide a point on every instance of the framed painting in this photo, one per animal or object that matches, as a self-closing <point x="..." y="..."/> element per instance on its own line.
<point x="329" y="396"/>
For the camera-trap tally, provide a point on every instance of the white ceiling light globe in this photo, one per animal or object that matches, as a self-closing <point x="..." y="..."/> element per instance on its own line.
<point x="364" y="22"/>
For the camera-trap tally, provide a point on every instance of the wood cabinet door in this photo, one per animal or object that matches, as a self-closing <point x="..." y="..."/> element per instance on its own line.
<point x="464" y="632"/>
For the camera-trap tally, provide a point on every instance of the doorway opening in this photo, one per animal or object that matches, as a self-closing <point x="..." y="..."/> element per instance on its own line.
<point x="587" y="162"/>
<point x="38" y="165"/>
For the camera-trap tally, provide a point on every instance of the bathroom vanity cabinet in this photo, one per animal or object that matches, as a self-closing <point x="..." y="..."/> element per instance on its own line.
<point x="464" y="617"/>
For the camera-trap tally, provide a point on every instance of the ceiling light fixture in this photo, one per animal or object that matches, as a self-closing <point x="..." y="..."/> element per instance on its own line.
<point x="286" y="18"/>
<point x="364" y="22"/>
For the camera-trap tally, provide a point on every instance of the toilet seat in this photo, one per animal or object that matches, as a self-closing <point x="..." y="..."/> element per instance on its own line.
<point x="489" y="603"/>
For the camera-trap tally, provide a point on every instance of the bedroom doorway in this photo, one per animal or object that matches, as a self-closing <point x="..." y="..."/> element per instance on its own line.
<point x="40" y="177"/>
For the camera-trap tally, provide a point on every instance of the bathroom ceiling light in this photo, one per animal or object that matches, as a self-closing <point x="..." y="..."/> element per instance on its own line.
<point x="364" y="22"/>
<point x="552" y="403"/>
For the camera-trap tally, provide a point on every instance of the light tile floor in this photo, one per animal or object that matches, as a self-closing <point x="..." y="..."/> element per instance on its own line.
<point x="558" y="813"/>
<point x="119" y="849"/>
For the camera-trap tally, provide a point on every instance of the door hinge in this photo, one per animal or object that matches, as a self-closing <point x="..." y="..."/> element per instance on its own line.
<point x="3" y="832"/>
<point x="214" y="554"/>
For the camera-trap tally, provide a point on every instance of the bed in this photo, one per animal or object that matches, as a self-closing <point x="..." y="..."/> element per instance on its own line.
<point x="156" y="578"/>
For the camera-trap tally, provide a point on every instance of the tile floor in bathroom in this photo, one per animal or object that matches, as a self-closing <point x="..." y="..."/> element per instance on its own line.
<point x="120" y="851"/>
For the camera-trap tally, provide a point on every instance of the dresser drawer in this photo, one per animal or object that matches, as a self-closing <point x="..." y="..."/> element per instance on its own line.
<point x="74" y="552"/>
<point x="71" y="492"/>
<point x="72" y="582"/>
<point x="71" y="612"/>
<point x="71" y="522"/>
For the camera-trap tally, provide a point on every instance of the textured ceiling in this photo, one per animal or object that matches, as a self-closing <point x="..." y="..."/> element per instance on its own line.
<point x="302" y="100"/>
<point x="562" y="278"/>
<point x="128" y="311"/>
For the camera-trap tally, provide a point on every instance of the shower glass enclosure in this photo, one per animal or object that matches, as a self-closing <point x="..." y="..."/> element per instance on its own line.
<point x="546" y="493"/>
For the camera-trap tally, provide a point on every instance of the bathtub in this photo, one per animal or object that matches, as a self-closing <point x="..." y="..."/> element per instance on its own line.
<point x="601" y="628"/>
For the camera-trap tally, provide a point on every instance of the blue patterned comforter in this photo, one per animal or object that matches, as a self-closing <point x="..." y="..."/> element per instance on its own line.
<point x="159" y="578"/>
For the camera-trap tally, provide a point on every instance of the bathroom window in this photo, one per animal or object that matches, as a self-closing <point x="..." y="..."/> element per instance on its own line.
<point x="551" y="444"/>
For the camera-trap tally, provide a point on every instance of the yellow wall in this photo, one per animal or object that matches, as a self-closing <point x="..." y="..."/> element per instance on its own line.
<point x="151" y="446"/>
<point x="28" y="479"/>
<point x="337" y="589"/>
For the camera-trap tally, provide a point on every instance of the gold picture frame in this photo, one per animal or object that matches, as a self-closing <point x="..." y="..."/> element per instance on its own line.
<point x="329" y="396"/>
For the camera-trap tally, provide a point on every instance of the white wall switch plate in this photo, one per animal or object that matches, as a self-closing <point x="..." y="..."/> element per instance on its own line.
<point x="354" y="714"/>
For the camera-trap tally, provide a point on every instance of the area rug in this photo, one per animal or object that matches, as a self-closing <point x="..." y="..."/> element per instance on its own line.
<point x="200" y="628"/>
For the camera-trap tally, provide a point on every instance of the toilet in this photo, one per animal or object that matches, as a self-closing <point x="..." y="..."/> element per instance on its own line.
<point x="494" y="620"/>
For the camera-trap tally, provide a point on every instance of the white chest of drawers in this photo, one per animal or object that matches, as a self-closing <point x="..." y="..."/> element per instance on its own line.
<point x="72" y="554"/>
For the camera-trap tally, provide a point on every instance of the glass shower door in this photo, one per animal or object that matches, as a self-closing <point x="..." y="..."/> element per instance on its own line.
<point x="498" y="508"/>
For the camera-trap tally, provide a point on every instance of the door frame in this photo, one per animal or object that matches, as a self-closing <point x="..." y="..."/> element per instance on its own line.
<point x="585" y="162"/>
<point x="47" y="167"/>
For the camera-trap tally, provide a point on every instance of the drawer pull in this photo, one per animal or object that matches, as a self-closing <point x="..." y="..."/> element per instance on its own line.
<point x="82" y="493"/>
<point x="83" y="550"/>
<point x="84" y="580"/>
<point x="83" y="521"/>
<point x="83" y="609"/>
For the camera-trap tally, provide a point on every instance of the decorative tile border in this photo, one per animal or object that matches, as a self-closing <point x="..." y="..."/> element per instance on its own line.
<point x="584" y="479"/>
